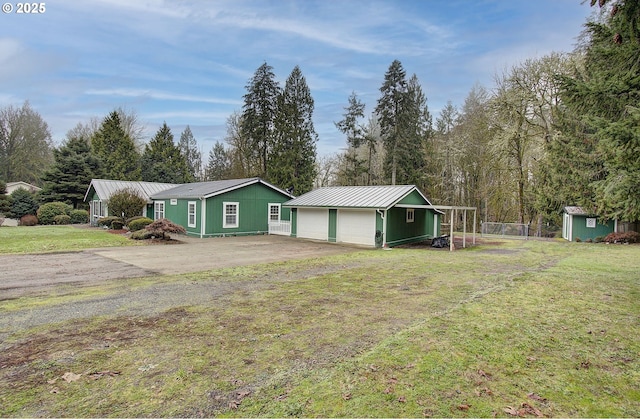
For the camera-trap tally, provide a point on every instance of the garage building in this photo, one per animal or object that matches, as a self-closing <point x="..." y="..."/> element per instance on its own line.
<point x="364" y="215"/>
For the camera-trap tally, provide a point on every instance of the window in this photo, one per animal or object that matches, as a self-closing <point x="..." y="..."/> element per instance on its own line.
<point x="174" y="201"/>
<point x="274" y="212"/>
<point x="158" y="210"/>
<point x="591" y="223"/>
<point x="230" y="219"/>
<point x="410" y="215"/>
<point x="191" y="210"/>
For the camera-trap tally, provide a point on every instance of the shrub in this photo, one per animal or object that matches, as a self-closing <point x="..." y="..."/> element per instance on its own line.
<point x="28" y="220"/>
<point x="79" y="216"/>
<point x="23" y="204"/>
<point x="106" y="221"/>
<point x="117" y="224"/>
<point x="628" y="237"/>
<point x="137" y="217"/>
<point x="162" y="226"/>
<point x="139" y="223"/>
<point x="142" y="234"/>
<point x="578" y="240"/>
<point x="47" y="212"/>
<point x="62" y="219"/>
<point x="127" y="202"/>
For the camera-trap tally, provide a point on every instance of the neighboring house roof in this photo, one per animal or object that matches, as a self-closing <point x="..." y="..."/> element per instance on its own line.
<point x="205" y="190"/>
<point x="12" y="186"/>
<point x="377" y="197"/>
<point x="105" y="188"/>
<point x="573" y="210"/>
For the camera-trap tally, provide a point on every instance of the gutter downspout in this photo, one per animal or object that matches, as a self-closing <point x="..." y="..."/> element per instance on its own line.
<point x="384" y="227"/>
<point x="203" y="216"/>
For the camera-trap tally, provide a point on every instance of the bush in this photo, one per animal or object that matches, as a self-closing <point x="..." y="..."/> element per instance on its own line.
<point x="628" y="237"/>
<point x="28" y="220"/>
<point x="117" y="224"/>
<point x="62" y="219"/>
<point x="79" y="216"/>
<point x="127" y="202"/>
<point x="137" y="217"/>
<point x="139" y="223"/>
<point x="23" y="204"/>
<point x="142" y="234"/>
<point x="106" y="221"/>
<point x="47" y="212"/>
<point x="162" y="226"/>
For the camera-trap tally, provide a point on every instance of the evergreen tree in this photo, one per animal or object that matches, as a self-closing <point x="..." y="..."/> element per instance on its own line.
<point x="68" y="178"/>
<point x="292" y="161"/>
<point x="5" y="200"/>
<point x="219" y="165"/>
<point x="349" y="126"/>
<point x="162" y="160"/>
<point x="416" y="128"/>
<point x="606" y="95"/>
<point x="116" y="150"/>
<point x="23" y="203"/>
<point x="389" y="109"/>
<point x="189" y="149"/>
<point x="258" y="115"/>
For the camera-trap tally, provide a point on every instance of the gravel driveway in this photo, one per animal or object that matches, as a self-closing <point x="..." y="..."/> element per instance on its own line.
<point x="62" y="273"/>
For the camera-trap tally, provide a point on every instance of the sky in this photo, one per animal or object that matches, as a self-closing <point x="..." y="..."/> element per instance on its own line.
<point x="188" y="62"/>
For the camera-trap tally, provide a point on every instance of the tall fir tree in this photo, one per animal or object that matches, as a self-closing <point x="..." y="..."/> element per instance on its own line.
<point x="189" y="149"/>
<point x="351" y="127"/>
<point x="389" y="109"/>
<point x="292" y="161"/>
<point x="606" y="96"/>
<point x="71" y="173"/>
<point x="219" y="164"/>
<point x="116" y="150"/>
<point x="258" y="116"/>
<point x="162" y="160"/>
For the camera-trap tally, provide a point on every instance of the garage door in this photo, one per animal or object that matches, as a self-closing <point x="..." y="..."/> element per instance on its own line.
<point x="357" y="227"/>
<point x="313" y="223"/>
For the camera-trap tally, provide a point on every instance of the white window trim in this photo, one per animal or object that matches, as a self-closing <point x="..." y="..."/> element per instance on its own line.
<point x="192" y="205"/>
<point x="279" y="206"/>
<point x="156" y="204"/>
<point x="411" y="215"/>
<point x="224" y="215"/>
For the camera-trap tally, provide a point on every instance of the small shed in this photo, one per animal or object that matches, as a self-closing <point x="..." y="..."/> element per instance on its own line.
<point x="100" y="190"/>
<point x="223" y="207"/>
<point x="13" y="186"/>
<point x="364" y="215"/>
<point x="580" y="225"/>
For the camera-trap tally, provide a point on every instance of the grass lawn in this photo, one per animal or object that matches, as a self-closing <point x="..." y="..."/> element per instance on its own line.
<point x="43" y="239"/>
<point x="511" y="329"/>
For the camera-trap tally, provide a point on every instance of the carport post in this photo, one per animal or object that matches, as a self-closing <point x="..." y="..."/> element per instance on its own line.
<point x="464" y="228"/>
<point x="452" y="217"/>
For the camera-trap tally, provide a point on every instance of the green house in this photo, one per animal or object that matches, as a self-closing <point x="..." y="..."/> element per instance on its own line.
<point x="100" y="190"/>
<point x="225" y="207"/>
<point x="580" y="225"/>
<point x="365" y="215"/>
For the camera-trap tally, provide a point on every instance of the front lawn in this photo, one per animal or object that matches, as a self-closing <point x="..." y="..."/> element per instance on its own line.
<point x="513" y="329"/>
<point x="43" y="239"/>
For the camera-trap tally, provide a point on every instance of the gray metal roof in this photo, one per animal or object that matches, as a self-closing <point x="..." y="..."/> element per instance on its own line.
<point x="199" y="190"/>
<point x="573" y="210"/>
<point x="380" y="197"/>
<point x="106" y="187"/>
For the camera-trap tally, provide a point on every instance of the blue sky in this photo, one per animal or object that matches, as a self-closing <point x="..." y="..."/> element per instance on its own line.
<point x="188" y="62"/>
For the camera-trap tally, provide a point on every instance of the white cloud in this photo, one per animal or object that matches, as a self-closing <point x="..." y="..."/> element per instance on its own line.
<point x="159" y="95"/>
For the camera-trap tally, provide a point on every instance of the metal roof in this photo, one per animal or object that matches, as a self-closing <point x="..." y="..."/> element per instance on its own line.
<point x="105" y="188"/>
<point x="379" y="197"/>
<point x="573" y="210"/>
<point x="208" y="189"/>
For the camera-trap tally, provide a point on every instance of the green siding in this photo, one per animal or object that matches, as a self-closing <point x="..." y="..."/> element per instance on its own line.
<point x="399" y="231"/>
<point x="253" y="210"/>
<point x="294" y="222"/>
<point x="333" y="225"/>
<point x="582" y="232"/>
<point x="414" y="198"/>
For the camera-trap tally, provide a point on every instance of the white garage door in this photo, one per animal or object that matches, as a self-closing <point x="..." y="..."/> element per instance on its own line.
<point x="357" y="227"/>
<point x="313" y="223"/>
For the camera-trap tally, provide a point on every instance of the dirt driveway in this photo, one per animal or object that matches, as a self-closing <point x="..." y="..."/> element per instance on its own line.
<point x="35" y="273"/>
